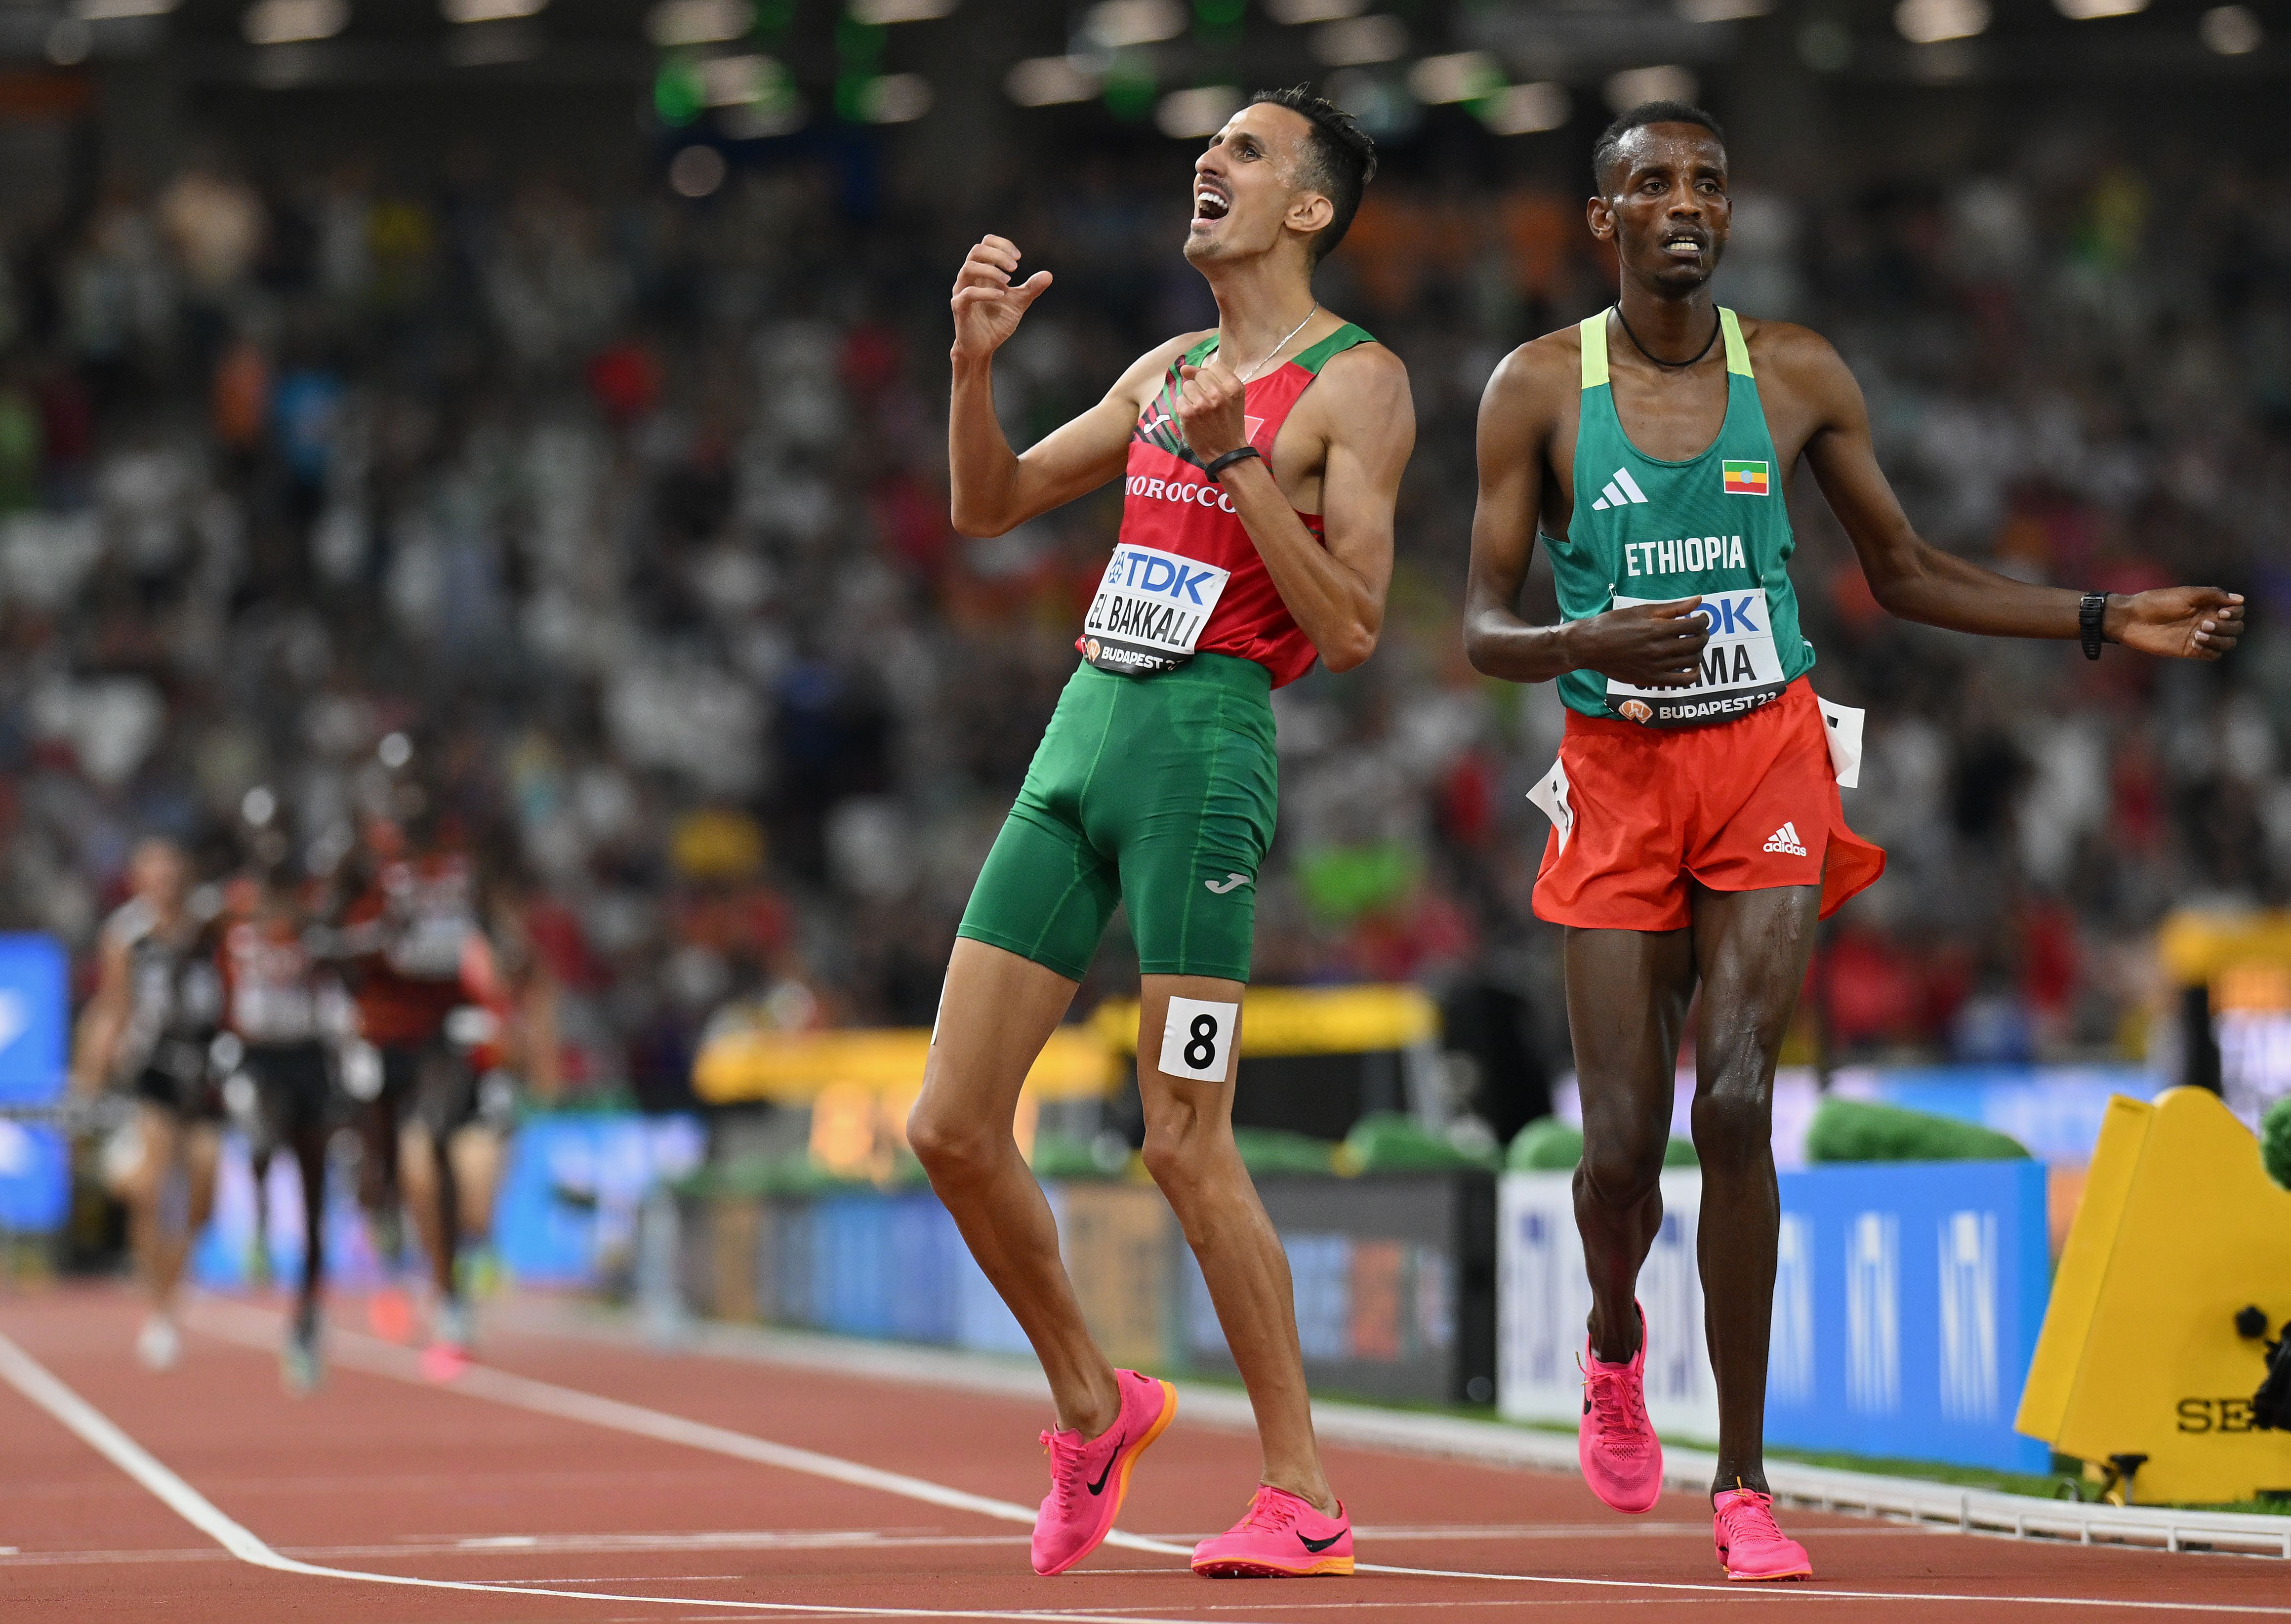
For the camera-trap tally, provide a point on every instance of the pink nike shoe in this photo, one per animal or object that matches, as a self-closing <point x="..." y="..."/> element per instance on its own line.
<point x="1751" y="1546"/>
<point x="1280" y="1536"/>
<point x="1622" y="1456"/>
<point x="1088" y="1478"/>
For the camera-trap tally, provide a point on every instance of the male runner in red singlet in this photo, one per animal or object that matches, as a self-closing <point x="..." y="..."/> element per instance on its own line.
<point x="1697" y="830"/>
<point x="408" y="934"/>
<point x="1154" y="785"/>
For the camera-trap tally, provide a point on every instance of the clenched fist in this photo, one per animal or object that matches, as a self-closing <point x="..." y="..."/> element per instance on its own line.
<point x="1649" y="645"/>
<point x="987" y="306"/>
<point x="1209" y="405"/>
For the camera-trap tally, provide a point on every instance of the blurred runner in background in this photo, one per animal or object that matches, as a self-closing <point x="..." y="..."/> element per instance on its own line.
<point x="405" y="936"/>
<point x="157" y="1005"/>
<point x="280" y="1008"/>
<point x="504" y="1038"/>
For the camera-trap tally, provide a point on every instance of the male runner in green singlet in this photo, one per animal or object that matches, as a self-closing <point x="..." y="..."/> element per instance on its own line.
<point x="1155" y="784"/>
<point x="1697" y="831"/>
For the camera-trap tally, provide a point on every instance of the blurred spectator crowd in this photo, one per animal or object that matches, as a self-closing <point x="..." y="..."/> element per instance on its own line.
<point x="629" y="513"/>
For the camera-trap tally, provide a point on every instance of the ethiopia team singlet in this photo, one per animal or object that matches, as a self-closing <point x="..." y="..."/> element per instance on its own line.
<point x="1650" y="530"/>
<point x="1185" y="578"/>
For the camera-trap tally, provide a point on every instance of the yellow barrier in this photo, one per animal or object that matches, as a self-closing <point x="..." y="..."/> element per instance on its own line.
<point x="795" y="1067"/>
<point x="2180" y="1227"/>
<point x="1304" y="1021"/>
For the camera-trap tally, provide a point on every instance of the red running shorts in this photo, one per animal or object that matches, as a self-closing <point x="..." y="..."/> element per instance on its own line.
<point x="1748" y="804"/>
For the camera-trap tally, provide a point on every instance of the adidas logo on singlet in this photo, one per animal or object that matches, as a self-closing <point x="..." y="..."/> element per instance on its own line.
<point x="1785" y="841"/>
<point x="1621" y="491"/>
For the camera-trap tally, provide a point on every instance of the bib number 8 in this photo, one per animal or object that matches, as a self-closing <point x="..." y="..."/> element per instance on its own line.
<point x="1197" y="1038"/>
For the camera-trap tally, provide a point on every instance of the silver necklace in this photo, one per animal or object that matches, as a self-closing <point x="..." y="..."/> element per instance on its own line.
<point x="1282" y="345"/>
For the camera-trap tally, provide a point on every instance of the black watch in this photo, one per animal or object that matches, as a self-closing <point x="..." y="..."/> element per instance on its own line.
<point x="2088" y="615"/>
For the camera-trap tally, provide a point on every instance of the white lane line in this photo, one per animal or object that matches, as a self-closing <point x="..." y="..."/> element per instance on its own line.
<point x="254" y="1328"/>
<point x="33" y="1380"/>
<point x="548" y="1398"/>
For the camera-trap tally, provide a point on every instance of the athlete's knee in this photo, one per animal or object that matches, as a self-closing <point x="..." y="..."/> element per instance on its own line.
<point x="1733" y="1126"/>
<point x="1186" y="1147"/>
<point x="951" y="1147"/>
<point x="1621" y="1170"/>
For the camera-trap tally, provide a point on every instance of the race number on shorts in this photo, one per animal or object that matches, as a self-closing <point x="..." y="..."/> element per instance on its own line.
<point x="1197" y="1040"/>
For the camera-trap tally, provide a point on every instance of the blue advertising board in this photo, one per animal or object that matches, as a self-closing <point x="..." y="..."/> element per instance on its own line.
<point x="35" y="1010"/>
<point x="1908" y="1297"/>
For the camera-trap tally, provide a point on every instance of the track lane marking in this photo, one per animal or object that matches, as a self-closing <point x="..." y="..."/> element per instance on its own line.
<point x="549" y="1398"/>
<point x="96" y="1429"/>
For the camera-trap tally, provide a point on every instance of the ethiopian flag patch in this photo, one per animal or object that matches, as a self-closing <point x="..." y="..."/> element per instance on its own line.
<point x="1745" y="479"/>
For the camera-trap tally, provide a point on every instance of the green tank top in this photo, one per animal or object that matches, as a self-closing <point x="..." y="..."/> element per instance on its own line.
<point x="1647" y="530"/>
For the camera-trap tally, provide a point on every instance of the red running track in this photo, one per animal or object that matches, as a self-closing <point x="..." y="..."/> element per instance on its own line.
<point x="631" y="1485"/>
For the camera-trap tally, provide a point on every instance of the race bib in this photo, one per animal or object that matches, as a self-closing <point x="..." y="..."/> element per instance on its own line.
<point x="1149" y="611"/>
<point x="1740" y="667"/>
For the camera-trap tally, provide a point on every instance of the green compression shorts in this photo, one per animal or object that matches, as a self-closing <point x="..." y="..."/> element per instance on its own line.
<point x="1159" y="792"/>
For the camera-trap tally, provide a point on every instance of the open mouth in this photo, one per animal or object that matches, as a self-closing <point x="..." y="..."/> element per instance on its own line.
<point x="1209" y="204"/>
<point x="1683" y="247"/>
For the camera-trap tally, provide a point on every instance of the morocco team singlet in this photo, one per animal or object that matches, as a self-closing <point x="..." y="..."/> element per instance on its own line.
<point x="1652" y="530"/>
<point x="1185" y="578"/>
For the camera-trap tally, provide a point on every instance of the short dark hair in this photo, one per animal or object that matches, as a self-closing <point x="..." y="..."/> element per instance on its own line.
<point x="1339" y="155"/>
<point x="1609" y="145"/>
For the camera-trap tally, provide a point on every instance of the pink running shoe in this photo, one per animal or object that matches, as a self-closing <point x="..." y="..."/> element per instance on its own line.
<point x="1280" y="1536"/>
<point x="1751" y="1546"/>
<point x="1622" y="1456"/>
<point x="1089" y="1477"/>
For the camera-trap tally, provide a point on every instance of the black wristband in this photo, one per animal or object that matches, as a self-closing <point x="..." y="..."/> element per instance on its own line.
<point x="1239" y="454"/>
<point x="2089" y="611"/>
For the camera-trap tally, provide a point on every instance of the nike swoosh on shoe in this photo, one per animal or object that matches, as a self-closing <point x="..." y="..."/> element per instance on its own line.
<point x="1099" y="1486"/>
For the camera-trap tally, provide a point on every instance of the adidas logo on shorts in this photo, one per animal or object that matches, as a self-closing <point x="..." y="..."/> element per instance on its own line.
<point x="1785" y="841"/>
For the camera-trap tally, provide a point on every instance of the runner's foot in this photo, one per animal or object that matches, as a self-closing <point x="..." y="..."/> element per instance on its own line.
<point x="160" y="1343"/>
<point x="1751" y="1546"/>
<point x="450" y="1337"/>
<point x="1088" y="1478"/>
<point x="298" y="1363"/>
<point x="390" y="1313"/>
<point x="1280" y="1536"/>
<point x="1622" y="1456"/>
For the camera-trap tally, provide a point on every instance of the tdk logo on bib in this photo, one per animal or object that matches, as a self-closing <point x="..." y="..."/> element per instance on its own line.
<point x="1149" y="611"/>
<point x="1741" y="668"/>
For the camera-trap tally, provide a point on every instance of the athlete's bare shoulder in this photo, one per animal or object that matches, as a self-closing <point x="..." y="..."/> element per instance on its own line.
<point x="1368" y="384"/>
<point x="1142" y="379"/>
<point x="1799" y="360"/>
<point x="1530" y="385"/>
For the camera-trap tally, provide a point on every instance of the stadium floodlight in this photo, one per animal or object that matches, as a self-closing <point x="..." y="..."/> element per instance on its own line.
<point x="286" y="23"/>
<point x="1527" y="109"/>
<point x="735" y="81"/>
<point x="1928" y="23"/>
<point x="1197" y="113"/>
<point x="112" y="11"/>
<point x="1722" y="10"/>
<point x="699" y="22"/>
<point x="878" y="13"/>
<point x="490" y="10"/>
<point x="1667" y="82"/>
<point x="1460" y="75"/>
<point x="1358" y="40"/>
<point x="895" y="97"/>
<point x="2231" y="30"/>
<point x="1297" y="12"/>
<point x="2085" y="10"/>
<point x="1113" y="24"/>
<point x="1051" y="81"/>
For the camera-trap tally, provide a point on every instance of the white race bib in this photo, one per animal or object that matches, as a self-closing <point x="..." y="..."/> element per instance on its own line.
<point x="1741" y="668"/>
<point x="1149" y="611"/>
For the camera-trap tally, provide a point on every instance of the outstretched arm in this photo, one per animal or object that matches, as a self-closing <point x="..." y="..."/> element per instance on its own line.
<point x="1917" y="581"/>
<point x="1651" y="645"/>
<point x="995" y="489"/>
<point x="1333" y="587"/>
